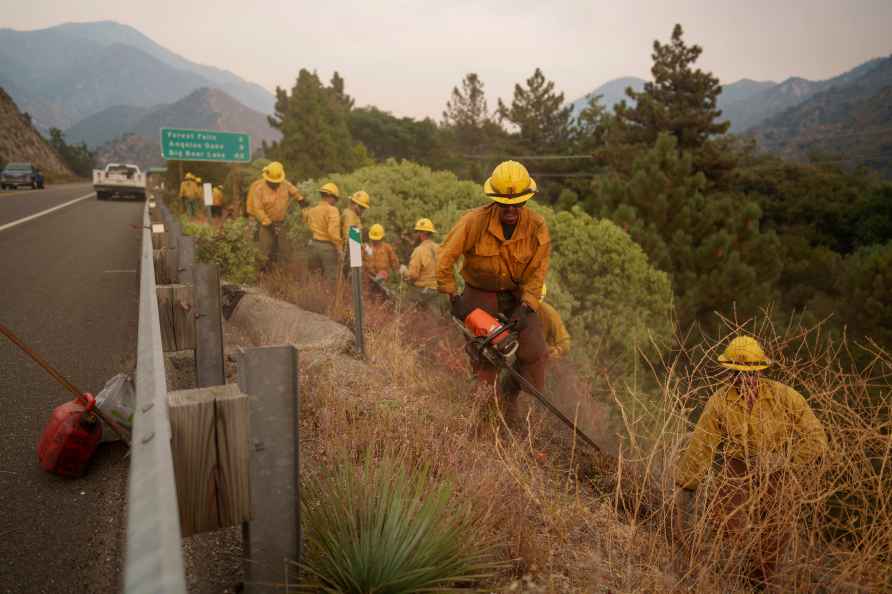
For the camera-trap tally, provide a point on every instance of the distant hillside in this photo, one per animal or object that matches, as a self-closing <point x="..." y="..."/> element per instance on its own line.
<point x="850" y="122"/>
<point x="106" y="125"/>
<point x="21" y="142"/>
<point x="64" y="74"/>
<point x="742" y="89"/>
<point x="758" y="107"/>
<point x="130" y="148"/>
<point x="206" y="109"/>
<point x="613" y="92"/>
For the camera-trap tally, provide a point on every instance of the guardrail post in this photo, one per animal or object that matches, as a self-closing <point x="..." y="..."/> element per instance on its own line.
<point x="209" y="370"/>
<point x="268" y="375"/>
<point x="185" y="259"/>
<point x="172" y="233"/>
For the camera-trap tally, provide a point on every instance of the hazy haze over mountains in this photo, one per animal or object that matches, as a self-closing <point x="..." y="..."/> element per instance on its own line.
<point x="64" y="74"/>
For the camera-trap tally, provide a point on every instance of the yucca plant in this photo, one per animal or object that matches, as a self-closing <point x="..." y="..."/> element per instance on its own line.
<point x="382" y="528"/>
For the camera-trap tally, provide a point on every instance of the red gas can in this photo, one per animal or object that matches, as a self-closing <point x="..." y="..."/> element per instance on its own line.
<point x="70" y="437"/>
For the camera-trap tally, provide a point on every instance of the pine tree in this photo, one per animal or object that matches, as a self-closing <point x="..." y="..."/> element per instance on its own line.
<point x="539" y="114"/>
<point x="467" y="113"/>
<point x="313" y="120"/>
<point x="680" y="100"/>
<point x="709" y="242"/>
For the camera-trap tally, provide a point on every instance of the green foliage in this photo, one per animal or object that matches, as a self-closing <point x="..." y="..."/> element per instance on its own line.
<point x="612" y="295"/>
<point x="385" y="529"/>
<point x="865" y="286"/>
<point x="232" y="248"/>
<point x="680" y="100"/>
<point x="709" y="242"/>
<point x="539" y="112"/>
<point x="314" y="121"/>
<point x="77" y="157"/>
<point x="387" y="136"/>
<point x="401" y="193"/>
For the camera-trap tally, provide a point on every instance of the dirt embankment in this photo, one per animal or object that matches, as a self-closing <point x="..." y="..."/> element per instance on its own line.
<point x="20" y="141"/>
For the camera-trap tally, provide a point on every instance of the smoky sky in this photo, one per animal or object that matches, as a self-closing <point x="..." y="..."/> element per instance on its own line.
<point x="405" y="57"/>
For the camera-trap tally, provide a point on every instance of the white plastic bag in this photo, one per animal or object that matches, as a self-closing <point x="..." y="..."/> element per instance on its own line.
<point x="117" y="399"/>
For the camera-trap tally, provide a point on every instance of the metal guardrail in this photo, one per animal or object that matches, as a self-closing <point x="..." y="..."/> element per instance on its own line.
<point x="154" y="562"/>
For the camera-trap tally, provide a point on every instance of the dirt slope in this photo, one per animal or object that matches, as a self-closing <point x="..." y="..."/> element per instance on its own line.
<point x="19" y="141"/>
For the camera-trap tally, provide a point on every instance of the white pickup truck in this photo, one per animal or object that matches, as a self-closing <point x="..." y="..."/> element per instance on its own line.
<point x="119" y="180"/>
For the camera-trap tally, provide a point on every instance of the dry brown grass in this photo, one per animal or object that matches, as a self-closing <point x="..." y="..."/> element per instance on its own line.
<point x="570" y="520"/>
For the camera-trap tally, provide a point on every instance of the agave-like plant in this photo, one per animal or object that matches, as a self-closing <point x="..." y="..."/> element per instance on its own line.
<point x="380" y="528"/>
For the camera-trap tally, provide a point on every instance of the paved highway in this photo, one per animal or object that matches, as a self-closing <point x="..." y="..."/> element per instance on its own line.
<point x="69" y="288"/>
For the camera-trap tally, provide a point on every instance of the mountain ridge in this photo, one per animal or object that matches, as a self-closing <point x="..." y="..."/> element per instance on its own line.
<point x="63" y="74"/>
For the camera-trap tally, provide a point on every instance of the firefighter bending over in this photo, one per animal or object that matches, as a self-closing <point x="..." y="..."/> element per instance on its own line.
<point x="506" y="249"/>
<point x="268" y="201"/>
<point x="556" y="336"/>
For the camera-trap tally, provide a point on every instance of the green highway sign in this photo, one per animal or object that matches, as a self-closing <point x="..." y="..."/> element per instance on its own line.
<point x="204" y="145"/>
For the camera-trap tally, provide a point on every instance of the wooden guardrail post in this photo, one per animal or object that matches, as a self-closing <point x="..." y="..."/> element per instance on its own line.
<point x="209" y="370"/>
<point x="268" y="375"/>
<point x="209" y="441"/>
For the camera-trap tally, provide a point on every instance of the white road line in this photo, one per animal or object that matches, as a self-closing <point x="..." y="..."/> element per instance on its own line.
<point x="45" y="212"/>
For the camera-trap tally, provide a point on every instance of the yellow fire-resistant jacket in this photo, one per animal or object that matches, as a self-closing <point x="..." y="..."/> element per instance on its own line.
<point x="349" y="219"/>
<point x="381" y="259"/>
<point x="423" y="265"/>
<point x="493" y="263"/>
<point x="324" y="222"/>
<point x="268" y="205"/>
<point x="556" y="336"/>
<point x="218" y="197"/>
<point x="780" y="424"/>
<point x="190" y="190"/>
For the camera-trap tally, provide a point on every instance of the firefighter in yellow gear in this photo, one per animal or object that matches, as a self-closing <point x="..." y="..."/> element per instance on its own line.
<point x="352" y="215"/>
<point x="190" y="194"/>
<point x="765" y="429"/>
<point x="506" y="250"/>
<point x="268" y="202"/>
<point x="324" y="222"/>
<point x="379" y="257"/>
<point x="556" y="336"/>
<point x="217" y="206"/>
<point x="422" y="270"/>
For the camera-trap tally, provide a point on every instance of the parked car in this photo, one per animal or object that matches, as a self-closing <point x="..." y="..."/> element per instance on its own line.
<point x="15" y="175"/>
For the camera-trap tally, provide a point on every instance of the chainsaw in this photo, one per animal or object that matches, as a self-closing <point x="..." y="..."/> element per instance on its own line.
<point x="494" y="340"/>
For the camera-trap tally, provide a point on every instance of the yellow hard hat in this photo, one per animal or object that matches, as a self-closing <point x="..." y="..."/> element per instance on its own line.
<point x="196" y="178"/>
<point x="330" y="189"/>
<point x="425" y="225"/>
<point x="376" y="232"/>
<point x="544" y="292"/>
<point x="274" y="173"/>
<point x="744" y="353"/>
<point x="361" y="198"/>
<point x="510" y="183"/>
<point x="188" y="176"/>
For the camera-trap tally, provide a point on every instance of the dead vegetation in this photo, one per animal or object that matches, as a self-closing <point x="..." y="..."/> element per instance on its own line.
<point x="570" y="520"/>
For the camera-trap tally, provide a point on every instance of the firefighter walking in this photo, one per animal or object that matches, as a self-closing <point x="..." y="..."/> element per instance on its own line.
<point x="506" y="250"/>
<point x="767" y="430"/>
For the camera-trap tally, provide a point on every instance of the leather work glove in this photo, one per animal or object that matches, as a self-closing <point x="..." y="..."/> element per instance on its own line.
<point x="457" y="308"/>
<point x="520" y="315"/>
<point x="403" y="270"/>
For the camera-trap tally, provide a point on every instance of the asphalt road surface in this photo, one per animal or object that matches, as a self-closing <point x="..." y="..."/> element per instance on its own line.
<point x="69" y="288"/>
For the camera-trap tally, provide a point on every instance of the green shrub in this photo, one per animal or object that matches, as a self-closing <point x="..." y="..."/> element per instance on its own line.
<point x="384" y="529"/>
<point x="401" y="193"/>
<point x="232" y="247"/>
<point x="606" y="289"/>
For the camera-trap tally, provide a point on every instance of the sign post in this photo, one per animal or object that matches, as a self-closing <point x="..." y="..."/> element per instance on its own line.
<point x="208" y="193"/>
<point x="354" y="242"/>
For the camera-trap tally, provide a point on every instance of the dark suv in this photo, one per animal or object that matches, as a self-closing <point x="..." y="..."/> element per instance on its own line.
<point x="21" y="174"/>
